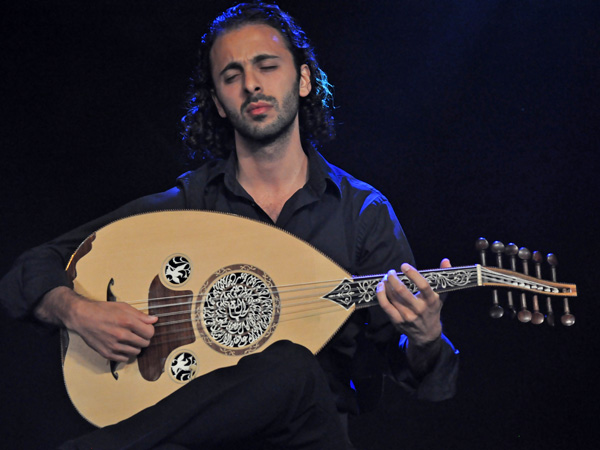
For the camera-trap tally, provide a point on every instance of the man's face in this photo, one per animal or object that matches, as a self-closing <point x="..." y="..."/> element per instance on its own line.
<point x="256" y="82"/>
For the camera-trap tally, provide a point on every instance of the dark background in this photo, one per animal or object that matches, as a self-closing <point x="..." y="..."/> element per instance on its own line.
<point x="476" y="118"/>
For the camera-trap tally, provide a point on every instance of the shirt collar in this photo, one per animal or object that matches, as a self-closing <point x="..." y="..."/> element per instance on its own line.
<point x="321" y="173"/>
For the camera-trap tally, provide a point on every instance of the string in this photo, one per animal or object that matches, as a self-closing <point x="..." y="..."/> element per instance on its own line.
<point x="323" y="308"/>
<point x="332" y="306"/>
<point x="293" y="307"/>
<point x="307" y="302"/>
<point x="290" y="310"/>
<point x="279" y="289"/>
<point x="179" y="331"/>
<point x="282" y="289"/>
<point x="290" y="304"/>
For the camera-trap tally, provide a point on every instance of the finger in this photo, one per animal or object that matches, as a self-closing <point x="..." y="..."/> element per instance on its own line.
<point x="397" y="291"/>
<point x="135" y="341"/>
<point x="115" y="351"/>
<point x="117" y="357"/>
<point x="142" y="330"/>
<point x="445" y="264"/>
<point x="127" y="350"/>
<point x="141" y="324"/>
<point x="426" y="291"/>
<point x="392" y="310"/>
<point x="149" y="319"/>
<point x="146" y="318"/>
<point x="400" y="297"/>
<point x="124" y="354"/>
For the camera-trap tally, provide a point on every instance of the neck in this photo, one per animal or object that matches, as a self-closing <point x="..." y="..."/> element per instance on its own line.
<point x="271" y="173"/>
<point x="275" y="164"/>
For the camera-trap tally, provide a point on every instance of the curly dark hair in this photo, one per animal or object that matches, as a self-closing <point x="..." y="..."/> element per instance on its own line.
<point x="206" y="135"/>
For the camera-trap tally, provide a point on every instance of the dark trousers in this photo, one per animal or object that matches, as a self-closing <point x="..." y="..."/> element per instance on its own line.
<point x="276" y="399"/>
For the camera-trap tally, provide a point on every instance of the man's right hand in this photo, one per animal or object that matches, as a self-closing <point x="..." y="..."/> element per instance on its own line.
<point x="116" y="330"/>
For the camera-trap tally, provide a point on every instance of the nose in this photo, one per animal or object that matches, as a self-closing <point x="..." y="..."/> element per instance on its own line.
<point x="252" y="83"/>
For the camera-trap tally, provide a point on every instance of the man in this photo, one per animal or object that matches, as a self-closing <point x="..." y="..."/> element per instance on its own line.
<point x="260" y="102"/>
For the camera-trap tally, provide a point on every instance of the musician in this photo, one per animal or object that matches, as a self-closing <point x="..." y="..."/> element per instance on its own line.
<point x="259" y="108"/>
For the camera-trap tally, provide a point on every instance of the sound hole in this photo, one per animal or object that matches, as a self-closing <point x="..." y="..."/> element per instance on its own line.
<point x="237" y="309"/>
<point x="177" y="270"/>
<point x="183" y="366"/>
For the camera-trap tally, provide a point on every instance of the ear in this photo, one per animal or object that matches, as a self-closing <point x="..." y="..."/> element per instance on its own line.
<point x="218" y="104"/>
<point x="304" y="86"/>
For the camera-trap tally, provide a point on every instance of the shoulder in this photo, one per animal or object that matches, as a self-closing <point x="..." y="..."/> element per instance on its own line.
<point x="360" y="193"/>
<point x="372" y="213"/>
<point x="203" y="174"/>
<point x="192" y="185"/>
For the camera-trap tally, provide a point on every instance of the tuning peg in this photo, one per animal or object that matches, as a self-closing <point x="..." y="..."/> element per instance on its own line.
<point x="498" y="249"/>
<point x="511" y="250"/>
<point x="537" y="317"/>
<point x="524" y="315"/>
<point x="567" y="318"/>
<point x="549" y="312"/>
<point x="482" y="245"/>
<point x="496" y="311"/>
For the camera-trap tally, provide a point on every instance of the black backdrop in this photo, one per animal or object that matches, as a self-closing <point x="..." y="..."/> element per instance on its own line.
<point x="476" y="118"/>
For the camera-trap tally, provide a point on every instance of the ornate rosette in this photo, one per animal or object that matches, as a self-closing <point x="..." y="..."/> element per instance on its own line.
<point x="183" y="366"/>
<point x="237" y="310"/>
<point x="177" y="270"/>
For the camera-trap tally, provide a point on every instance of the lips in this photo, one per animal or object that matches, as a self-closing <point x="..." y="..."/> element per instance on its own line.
<point x="258" y="108"/>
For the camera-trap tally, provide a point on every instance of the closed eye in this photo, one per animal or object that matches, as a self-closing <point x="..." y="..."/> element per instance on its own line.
<point x="231" y="78"/>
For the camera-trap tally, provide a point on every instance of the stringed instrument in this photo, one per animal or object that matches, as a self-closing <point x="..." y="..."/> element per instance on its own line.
<point x="222" y="288"/>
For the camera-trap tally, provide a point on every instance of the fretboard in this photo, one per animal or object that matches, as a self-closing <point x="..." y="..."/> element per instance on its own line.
<point x="360" y="291"/>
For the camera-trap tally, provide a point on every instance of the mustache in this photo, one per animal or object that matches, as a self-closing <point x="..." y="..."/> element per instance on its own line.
<point x="256" y="98"/>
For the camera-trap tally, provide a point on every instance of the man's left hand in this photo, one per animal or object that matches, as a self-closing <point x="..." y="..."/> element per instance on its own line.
<point x="415" y="315"/>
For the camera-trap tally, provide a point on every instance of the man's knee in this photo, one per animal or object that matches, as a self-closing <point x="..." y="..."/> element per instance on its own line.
<point x="290" y="350"/>
<point x="297" y="368"/>
<point x="294" y="358"/>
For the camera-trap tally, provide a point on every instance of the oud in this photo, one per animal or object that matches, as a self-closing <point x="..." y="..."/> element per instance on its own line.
<point x="223" y="287"/>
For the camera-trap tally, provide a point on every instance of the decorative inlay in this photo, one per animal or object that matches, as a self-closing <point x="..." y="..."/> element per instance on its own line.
<point x="177" y="270"/>
<point x="349" y="292"/>
<point x="183" y="366"/>
<point x="362" y="290"/>
<point x="238" y="309"/>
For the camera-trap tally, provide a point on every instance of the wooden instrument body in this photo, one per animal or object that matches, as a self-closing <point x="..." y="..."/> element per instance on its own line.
<point x="127" y="255"/>
<point x="223" y="287"/>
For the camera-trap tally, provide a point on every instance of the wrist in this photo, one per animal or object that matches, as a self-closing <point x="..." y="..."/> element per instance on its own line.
<point x="425" y="346"/>
<point x="57" y="306"/>
<point x="422" y="356"/>
<point x="426" y="337"/>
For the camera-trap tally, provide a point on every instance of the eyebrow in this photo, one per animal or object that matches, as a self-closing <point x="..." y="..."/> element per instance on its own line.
<point x="237" y="66"/>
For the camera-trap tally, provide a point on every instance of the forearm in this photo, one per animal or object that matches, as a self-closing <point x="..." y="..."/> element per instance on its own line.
<point x="42" y="269"/>
<point x="116" y="330"/>
<point x="35" y="273"/>
<point x="57" y="306"/>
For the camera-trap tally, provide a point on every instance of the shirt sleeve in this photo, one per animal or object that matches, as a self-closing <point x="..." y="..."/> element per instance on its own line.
<point x="42" y="268"/>
<point x="383" y="246"/>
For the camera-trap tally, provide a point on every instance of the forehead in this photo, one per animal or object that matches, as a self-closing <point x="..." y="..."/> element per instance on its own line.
<point x="243" y="44"/>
